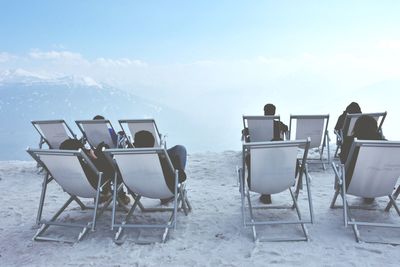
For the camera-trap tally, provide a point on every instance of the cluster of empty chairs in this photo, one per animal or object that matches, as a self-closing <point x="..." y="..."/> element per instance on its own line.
<point x="139" y="169"/>
<point x="277" y="166"/>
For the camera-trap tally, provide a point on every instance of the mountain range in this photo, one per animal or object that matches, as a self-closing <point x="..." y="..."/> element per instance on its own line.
<point x="26" y="96"/>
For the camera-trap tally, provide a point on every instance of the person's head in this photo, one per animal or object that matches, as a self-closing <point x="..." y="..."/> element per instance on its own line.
<point x="71" y="144"/>
<point x="269" y="109"/>
<point x="366" y="128"/>
<point x="98" y="117"/>
<point x="144" y="139"/>
<point x="353" y="108"/>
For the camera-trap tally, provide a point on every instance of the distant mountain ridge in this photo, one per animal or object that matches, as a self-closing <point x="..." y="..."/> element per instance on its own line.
<point x="26" y="96"/>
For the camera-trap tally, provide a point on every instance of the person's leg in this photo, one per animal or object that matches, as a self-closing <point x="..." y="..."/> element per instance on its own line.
<point x="265" y="199"/>
<point x="178" y="156"/>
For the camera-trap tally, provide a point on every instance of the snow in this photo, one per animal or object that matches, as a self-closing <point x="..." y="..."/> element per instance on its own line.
<point x="212" y="235"/>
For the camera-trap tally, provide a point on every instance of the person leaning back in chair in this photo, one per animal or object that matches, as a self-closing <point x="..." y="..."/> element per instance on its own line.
<point x="177" y="154"/>
<point x="365" y="128"/>
<point x="352" y="108"/>
<point x="280" y="129"/>
<point x="101" y="163"/>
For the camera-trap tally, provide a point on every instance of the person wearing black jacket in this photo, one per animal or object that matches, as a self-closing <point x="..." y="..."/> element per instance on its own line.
<point x="350" y="109"/>
<point x="279" y="130"/>
<point x="177" y="155"/>
<point x="365" y="128"/>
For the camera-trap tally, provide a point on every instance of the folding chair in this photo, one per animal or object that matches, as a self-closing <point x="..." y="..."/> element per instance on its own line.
<point x="315" y="127"/>
<point x="97" y="131"/>
<point x="372" y="170"/>
<point x="135" y="126"/>
<point x="261" y="128"/>
<point x="142" y="174"/>
<point x="273" y="170"/>
<point x="348" y="126"/>
<point x="53" y="132"/>
<point x="65" y="168"/>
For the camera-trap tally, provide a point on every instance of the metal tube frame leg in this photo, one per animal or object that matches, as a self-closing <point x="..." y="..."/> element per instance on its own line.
<point x="305" y="232"/>
<point x="131" y="210"/>
<point x="46" y="180"/>
<point x="251" y="215"/>
<point x="45" y="226"/>
<point x="395" y="196"/>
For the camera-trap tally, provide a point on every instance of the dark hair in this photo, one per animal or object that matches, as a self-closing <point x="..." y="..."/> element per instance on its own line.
<point x="144" y="139"/>
<point x="353" y="108"/>
<point x="269" y="109"/>
<point x="98" y="117"/>
<point x="366" y="128"/>
<point x="71" y="144"/>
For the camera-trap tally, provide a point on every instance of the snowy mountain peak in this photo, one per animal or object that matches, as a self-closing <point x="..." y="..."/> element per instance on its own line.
<point x="25" y="77"/>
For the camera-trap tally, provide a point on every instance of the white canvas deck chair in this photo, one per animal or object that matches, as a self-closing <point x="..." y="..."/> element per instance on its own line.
<point x="348" y="126"/>
<point x="261" y="128"/>
<point x="372" y="170"/>
<point x="315" y="127"/>
<point x="142" y="174"/>
<point x="96" y="131"/>
<point x="53" y="132"/>
<point x="273" y="170"/>
<point x="137" y="125"/>
<point x="64" y="167"/>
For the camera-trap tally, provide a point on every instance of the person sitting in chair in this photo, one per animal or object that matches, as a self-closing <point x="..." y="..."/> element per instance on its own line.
<point x="101" y="163"/>
<point x="177" y="154"/>
<point x="279" y="131"/>
<point x="353" y="108"/>
<point x="279" y="127"/>
<point x="365" y="128"/>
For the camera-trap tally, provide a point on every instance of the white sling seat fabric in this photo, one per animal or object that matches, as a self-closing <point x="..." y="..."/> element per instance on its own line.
<point x="68" y="172"/>
<point x="272" y="169"/>
<point x="97" y="133"/>
<point x="149" y="126"/>
<point x="142" y="174"/>
<point x="376" y="171"/>
<point x="354" y="117"/>
<point x="313" y="128"/>
<point x="260" y="129"/>
<point x="54" y="133"/>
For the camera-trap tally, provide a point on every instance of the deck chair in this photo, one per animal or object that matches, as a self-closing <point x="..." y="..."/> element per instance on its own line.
<point x="64" y="167"/>
<point x="96" y="131"/>
<point x="273" y="167"/>
<point x="372" y="170"/>
<point x="135" y="126"/>
<point x="348" y="126"/>
<point x="142" y="174"/>
<point x="53" y="132"/>
<point x="315" y="127"/>
<point x="261" y="128"/>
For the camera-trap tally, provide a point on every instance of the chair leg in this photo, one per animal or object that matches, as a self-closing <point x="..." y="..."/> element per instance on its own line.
<point x="334" y="198"/>
<point x="42" y="197"/>
<point x="127" y="217"/>
<point x="395" y="196"/>
<point x="393" y="201"/>
<point x="305" y="232"/>
<point x="45" y="225"/>
<point x="251" y="216"/>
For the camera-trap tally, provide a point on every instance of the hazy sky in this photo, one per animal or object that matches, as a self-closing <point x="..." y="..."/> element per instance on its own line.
<point x="216" y="60"/>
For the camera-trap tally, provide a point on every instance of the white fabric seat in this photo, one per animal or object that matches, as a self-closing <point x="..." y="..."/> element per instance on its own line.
<point x="372" y="170"/>
<point x="141" y="172"/>
<point x="273" y="170"/>
<point x="64" y="166"/>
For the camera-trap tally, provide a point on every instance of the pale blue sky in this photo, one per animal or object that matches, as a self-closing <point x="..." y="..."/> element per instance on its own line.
<point x="216" y="60"/>
<point x="184" y="31"/>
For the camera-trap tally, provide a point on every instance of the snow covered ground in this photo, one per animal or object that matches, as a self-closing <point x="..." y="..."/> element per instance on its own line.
<point x="212" y="235"/>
